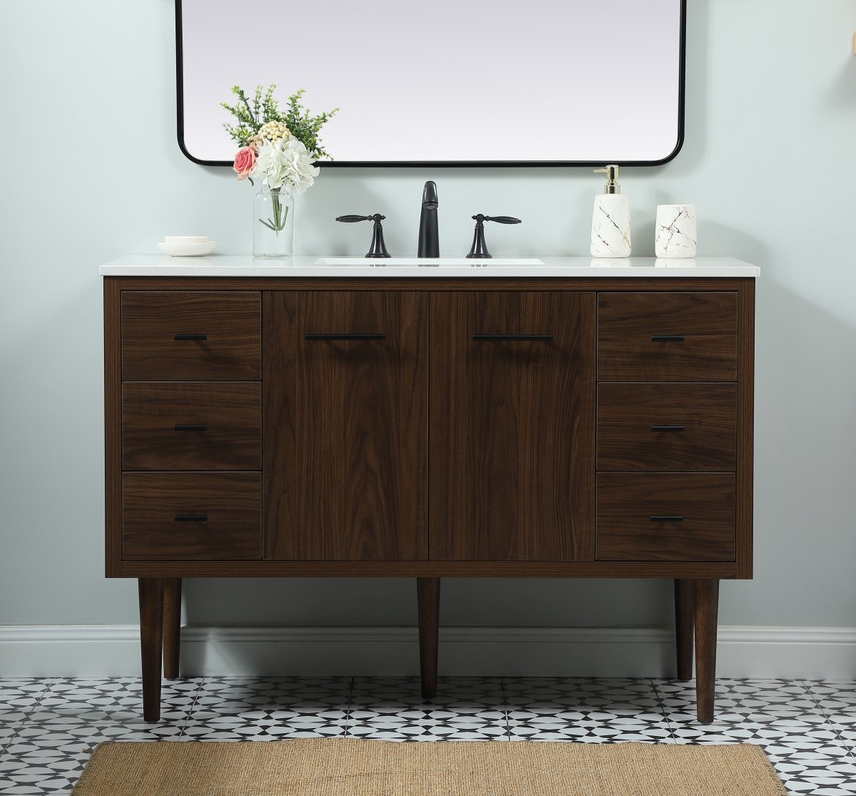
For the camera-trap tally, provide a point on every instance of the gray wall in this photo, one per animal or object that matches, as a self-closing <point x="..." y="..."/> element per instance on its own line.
<point x="91" y="171"/>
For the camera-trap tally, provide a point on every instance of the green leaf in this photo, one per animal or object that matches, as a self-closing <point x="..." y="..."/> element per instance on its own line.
<point x="303" y="126"/>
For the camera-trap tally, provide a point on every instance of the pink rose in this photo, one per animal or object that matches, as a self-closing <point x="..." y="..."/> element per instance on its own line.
<point x="244" y="162"/>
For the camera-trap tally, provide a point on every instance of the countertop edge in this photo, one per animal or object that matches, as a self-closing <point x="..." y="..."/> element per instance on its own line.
<point x="307" y="267"/>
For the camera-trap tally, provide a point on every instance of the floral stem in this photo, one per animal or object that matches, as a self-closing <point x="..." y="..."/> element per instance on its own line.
<point x="277" y="211"/>
<point x="280" y="213"/>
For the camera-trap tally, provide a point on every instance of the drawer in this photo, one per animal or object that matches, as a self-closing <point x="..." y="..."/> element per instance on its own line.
<point x="667" y="426"/>
<point x="191" y="516"/>
<point x="667" y="337"/>
<point x="186" y="335"/>
<point x="665" y="517"/>
<point x="199" y="426"/>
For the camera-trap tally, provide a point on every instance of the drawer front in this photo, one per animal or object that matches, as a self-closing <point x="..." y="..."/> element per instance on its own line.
<point x="667" y="337"/>
<point x="184" y="335"/>
<point x="665" y="517"/>
<point x="200" y="426"/>
<point x="667" y="427"/>
<point x="191" y="516"/>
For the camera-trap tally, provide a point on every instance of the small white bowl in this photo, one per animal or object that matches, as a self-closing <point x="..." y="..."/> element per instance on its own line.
<point x="182" y="247"/>
<point x="186" y="239"/>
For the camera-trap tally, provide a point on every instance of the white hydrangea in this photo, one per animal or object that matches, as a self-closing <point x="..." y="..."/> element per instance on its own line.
<point x="285" y="164"/>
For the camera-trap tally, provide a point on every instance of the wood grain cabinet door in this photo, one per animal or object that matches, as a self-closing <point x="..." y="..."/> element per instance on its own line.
<point x="345" y="425"/>
<point x="512" y="426"/>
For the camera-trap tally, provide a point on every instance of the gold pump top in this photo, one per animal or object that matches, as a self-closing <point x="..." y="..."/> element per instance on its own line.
<point x="611" y="173"/>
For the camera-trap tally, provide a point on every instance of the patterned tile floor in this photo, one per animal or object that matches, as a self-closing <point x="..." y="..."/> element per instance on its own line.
<point x="48" y="727"/>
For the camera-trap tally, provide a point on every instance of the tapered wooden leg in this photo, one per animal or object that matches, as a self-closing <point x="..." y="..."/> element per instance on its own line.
<point x="428" y="594"/>
<point x="684" y="628"/>
<point x="706" y="600"/>
<point x="171" y="627"/>
<point x="151" y="644"/>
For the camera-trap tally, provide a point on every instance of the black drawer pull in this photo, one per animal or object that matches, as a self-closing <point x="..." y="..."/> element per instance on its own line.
<point x="191" y="518"/>
<point x="667" y="428"/>
<point x="194" y="336"/>
<point x="666" y="518"/>
<point x="667" y="338"/>
<point x="513" y="338"/>
<point x="345" y="337"/>
<point x="191" y="427"/>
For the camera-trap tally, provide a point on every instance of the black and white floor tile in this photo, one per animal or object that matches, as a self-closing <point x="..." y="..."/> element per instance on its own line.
<point x="392" y="708"/>
<point x="49" y="726"/>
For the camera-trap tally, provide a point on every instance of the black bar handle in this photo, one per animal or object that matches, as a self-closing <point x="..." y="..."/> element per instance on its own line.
<point x="667" y="428"/>
<point x="194" y="336"/>
<point x="667" y="338"/>
<point x="191" y="427"/>
<point x="666" y="518"/>
<point x="515" y="337"/>
<point x="350" y="219"/>
<point x="191" y="518"/>
<point x="371" y="336"/>
<point x="503" y="219"/>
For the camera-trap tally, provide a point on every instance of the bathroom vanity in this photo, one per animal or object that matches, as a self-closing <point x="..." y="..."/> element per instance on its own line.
<point x="579" y="418"/>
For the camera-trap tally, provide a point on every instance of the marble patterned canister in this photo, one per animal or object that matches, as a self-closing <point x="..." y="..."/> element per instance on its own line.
<point x="676" y="233"/>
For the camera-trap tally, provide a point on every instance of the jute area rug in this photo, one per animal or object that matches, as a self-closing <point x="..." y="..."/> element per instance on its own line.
<point x="354" y="767"/>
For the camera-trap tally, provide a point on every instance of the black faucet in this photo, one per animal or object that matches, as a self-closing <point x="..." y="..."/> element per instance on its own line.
<point x="429" y="236"/>
<point x="378" y="247"/>
<point x="479" y="248"/>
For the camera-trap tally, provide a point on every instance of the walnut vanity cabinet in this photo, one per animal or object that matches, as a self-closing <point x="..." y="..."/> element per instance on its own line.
<point x="429" y="428"/>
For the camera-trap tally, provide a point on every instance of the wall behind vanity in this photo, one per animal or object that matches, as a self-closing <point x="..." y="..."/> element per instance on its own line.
<point x="92" y="171"/>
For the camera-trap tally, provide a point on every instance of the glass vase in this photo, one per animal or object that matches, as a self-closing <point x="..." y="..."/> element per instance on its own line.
<point x="273" y="223"/>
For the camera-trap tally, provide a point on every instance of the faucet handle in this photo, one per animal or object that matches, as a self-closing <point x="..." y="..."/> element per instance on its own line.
<point x="479" y="248"/>
<point x="502" y="219"/>
<point x="378" y="247"/>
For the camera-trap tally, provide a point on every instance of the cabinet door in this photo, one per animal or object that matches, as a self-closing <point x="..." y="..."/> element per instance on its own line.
<point x="512" y="426"/>
<point x="345" y="391"/>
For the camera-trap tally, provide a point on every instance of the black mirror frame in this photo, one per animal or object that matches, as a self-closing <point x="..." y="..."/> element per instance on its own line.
<point x="447" y="164"/>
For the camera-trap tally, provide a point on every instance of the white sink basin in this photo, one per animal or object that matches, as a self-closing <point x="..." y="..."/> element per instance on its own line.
<point x="427" y="262"/>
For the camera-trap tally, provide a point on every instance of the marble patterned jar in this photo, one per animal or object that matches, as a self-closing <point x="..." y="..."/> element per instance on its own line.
<point x="676" y="234"/>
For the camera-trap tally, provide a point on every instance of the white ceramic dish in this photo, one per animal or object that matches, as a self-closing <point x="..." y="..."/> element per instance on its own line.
<point x="186" y="239"/>
<point x="175" y="248"/>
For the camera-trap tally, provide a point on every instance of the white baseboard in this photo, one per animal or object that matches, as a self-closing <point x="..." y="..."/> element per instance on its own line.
<point x="113" y="651"/>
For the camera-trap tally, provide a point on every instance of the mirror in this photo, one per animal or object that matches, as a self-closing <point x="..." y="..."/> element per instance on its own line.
<point x="575" y="82"/>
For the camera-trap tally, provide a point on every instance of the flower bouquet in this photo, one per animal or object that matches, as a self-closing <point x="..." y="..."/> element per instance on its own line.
<point x="277" y="147"/>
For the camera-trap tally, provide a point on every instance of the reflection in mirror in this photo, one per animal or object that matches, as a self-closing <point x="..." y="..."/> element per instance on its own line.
<point x="575" y="82"/>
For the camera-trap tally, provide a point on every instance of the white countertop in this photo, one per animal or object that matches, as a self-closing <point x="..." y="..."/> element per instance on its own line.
<point x="308" y="266"/>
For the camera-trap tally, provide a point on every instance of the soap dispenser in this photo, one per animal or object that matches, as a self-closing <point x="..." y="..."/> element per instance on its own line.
<point x="610" y="222"/>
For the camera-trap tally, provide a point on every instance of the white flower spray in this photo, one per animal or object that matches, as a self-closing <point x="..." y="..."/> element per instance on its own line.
<point x="278" y="147"/>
